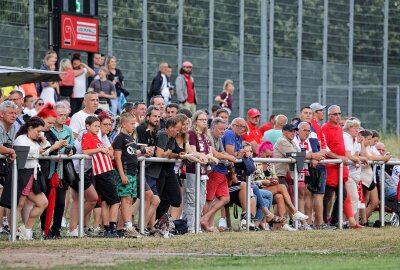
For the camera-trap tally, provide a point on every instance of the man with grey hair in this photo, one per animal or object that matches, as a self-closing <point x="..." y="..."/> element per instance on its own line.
<point x="334" y="140"/>
<point x="160" y="84"/>
<point x="18" y="98"/>
<point x="273" y="135"/>
<point x="8" y="114"/>
<point x="217" y="185"/>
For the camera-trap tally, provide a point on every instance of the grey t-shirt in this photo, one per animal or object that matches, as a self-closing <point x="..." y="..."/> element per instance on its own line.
<point x="7" y="137"/>
<point x="105" y="86"/>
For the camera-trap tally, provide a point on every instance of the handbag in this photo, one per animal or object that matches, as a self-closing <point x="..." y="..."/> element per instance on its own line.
<point x="69" y="174"/>
<point x="313" y="181"/>
<point x="124" y="91"/>
<point x="39" y="183"/>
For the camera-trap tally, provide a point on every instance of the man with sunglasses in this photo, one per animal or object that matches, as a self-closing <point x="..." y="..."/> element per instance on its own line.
<point x="253" y="135"/>
<point x="334" y="140"/>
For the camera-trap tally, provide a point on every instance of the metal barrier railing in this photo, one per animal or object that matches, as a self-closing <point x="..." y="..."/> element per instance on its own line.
<point x="142" y="179"/>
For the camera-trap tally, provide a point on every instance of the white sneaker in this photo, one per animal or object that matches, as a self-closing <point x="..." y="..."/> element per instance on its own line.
<point x="286" y="227"/>
<point x="5" y="221"/>
<point x="74" y="233"/>
<point x="299" y="216"/>
<point x="64" y="223"/>
<point x="222" y="225"/>
<point x="305" y="227"/>
<point x="24" y="234"/>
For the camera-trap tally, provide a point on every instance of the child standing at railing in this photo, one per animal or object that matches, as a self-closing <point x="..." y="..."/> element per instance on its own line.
<point x="103" y="175"/>
<point x="125" y="174"/>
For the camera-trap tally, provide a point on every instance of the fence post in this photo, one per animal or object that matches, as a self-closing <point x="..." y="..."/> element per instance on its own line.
<point x="14" y="202"/>
<point x="81" y="195"/>
<point x="142" y="195"/>
<point x="382" y="206"/>
<point x="341" y="195"/>
<point x="296" y="191"/>
<point x="248" y="204"/>
<point x="197" y="199"/>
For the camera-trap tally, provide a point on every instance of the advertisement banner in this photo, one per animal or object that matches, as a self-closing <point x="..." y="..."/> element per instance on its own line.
<point x="79" y="33"/>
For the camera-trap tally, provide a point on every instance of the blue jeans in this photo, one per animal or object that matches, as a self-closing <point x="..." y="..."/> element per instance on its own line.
<point x="264" y="200"/>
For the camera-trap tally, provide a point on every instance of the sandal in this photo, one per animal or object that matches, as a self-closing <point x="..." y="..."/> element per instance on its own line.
<point x="275" y="219"/>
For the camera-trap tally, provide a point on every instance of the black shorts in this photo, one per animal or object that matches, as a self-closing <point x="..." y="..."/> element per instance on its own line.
<point x="106" y="187"/>
<point x="371" y="187"/>
<point x="146" y="186"/>
<point x="88" y="181"/>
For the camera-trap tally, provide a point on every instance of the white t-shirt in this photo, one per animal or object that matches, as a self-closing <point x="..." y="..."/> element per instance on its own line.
<point x="350" y="145"/>
<point x="34" y="152"/>
<point x="78" y="123"/>
<point x="80" y="85"/>
<point x="48" y="95"/>
<point x="164" y="87"/>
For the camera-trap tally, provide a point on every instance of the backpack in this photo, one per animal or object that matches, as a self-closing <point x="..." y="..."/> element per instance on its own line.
<point x="181" y="227"/>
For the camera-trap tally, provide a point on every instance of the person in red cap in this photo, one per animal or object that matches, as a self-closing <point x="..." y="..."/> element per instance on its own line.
<point x="185" y="89"/>
<point x="253" y="134"/>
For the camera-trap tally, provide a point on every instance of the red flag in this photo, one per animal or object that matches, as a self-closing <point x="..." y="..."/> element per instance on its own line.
<point x="54" y="182"/>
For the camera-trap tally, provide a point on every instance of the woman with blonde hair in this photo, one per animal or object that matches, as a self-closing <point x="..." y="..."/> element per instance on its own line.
<point x="67" y="80"/>
<point x="201" y="146"/>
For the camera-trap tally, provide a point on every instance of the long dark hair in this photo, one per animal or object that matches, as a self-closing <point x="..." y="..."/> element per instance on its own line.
<point x="33" y="122"/>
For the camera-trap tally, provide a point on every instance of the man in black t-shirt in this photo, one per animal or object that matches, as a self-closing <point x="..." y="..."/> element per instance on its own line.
<point x="147" y="135"/>
<point x="167" y="183"/>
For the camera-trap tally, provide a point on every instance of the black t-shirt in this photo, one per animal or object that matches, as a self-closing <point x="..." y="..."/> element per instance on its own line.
<point x="145" y="136"/>
<point x="166" y="143"/>
<point x="127" y="145"/>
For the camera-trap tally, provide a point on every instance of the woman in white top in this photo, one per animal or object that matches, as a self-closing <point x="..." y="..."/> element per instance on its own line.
<point x="370" y="191"/>
<point x="30" y="134"/>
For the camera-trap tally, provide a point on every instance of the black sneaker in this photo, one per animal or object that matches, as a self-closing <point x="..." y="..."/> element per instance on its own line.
<point x="111" y="234"/>
<point x="56" y="234"/>
<point x="4" y="230"/>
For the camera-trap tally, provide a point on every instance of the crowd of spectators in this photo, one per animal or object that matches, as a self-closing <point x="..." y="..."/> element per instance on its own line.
<point x="74" y="117"/>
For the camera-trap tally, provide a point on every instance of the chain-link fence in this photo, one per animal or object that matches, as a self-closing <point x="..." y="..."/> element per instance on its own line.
<point x="343" y="49"/>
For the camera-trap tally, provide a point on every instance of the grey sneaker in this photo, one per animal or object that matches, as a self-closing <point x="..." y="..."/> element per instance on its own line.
<point x="130" y="232"/>
<point x="305" y="227"/>
<point x="324" y="226"/>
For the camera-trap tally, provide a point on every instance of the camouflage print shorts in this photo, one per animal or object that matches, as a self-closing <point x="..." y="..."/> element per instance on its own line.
<point x="128" y="190"/>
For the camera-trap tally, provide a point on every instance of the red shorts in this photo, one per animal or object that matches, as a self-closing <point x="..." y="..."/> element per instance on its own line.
<point x="217" y="186"/>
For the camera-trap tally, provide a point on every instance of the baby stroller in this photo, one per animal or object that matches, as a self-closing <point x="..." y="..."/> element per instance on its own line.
<point x="392" y="204"/>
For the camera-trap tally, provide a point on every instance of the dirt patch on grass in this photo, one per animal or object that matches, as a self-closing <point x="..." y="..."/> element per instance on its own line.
<point x="110" y="252"/>
<point x="45" y="258"/>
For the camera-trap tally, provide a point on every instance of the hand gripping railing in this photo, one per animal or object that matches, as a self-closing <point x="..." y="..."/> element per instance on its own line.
<point x="142" y="162"/>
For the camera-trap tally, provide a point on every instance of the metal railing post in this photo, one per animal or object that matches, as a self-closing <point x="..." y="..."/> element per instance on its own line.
<point x="248" y="204"/>
<point x="382" y="205"/>
<point x="296" y="191"/>
<point x="81" y="196"/>
<point x="197" y="199"/>
<point x="14" y="201"/>
<point x="341" y="195"/>
<point x="142" y="195"/>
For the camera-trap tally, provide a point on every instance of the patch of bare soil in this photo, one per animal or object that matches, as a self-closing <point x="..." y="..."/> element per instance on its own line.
<point x="45" y="258"/>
